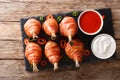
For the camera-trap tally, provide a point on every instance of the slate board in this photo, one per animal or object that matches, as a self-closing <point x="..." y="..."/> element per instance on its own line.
<point x="86" y="39"/>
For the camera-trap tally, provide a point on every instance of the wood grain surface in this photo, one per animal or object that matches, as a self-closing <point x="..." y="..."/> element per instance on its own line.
<point x="12" y="65"/>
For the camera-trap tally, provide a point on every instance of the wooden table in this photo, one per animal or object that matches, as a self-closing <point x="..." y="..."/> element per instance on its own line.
<point x="12" y="65"/>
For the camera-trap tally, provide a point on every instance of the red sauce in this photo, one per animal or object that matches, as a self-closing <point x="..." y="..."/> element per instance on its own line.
<point x="90" y="22"/>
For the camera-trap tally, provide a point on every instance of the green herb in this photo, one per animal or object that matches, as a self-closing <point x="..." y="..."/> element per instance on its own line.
<point x="75" y="13"/>
<point x="59" y="18"/>
<point x="41" y="18"/>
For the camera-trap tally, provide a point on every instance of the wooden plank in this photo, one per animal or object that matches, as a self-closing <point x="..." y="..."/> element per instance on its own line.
<point x="107" y="70"/>
<point x="40" y="1"/>
<point x="11" y="49"/>
<point x="10" y="31"/>
<point x="118" y="49"/>
<point x="14" y="11"/>
<point x="116" y="27"/>
<point x="115" y="15"/>
<point x="58" y="1"/>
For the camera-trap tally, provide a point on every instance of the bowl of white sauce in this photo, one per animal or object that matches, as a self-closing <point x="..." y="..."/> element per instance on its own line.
<point x="103" y="46"/>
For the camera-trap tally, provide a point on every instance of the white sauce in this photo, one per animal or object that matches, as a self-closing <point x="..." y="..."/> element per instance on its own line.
<point x="103" y="46"/>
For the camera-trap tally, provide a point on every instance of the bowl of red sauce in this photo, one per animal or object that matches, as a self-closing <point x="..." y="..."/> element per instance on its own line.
<point x="90" y="22"/>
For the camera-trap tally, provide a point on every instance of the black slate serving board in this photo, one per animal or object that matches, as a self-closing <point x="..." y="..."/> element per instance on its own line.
<point x="86" y="39"/>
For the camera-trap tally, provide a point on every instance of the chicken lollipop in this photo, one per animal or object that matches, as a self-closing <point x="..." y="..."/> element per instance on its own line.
<point x="68" y="28"/>
<point x="32" y="27"/>
<point x="52" y="52"/>
<point x="76" y="51"/>
<point x="50" y="26"/>
<point x="33" y="53"/>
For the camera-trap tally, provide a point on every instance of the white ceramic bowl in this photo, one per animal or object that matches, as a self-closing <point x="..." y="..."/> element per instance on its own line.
<point x="99" y="17"/>
<point x="103" y="46"/>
